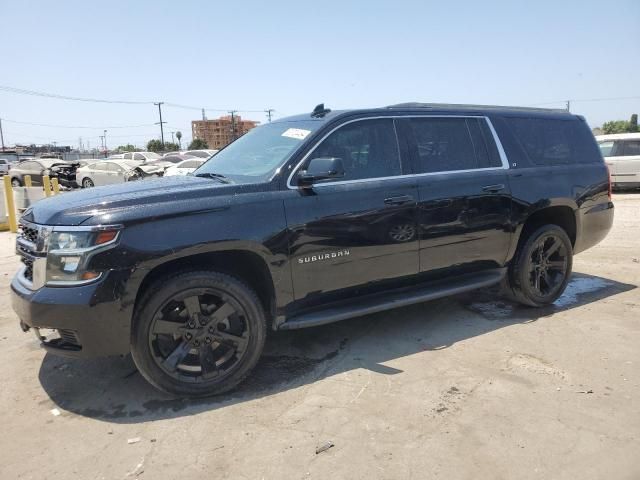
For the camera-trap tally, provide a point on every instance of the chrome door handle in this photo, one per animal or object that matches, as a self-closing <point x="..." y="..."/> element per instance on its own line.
<point x="399" y="200"/>
<point x="493" y="188"/>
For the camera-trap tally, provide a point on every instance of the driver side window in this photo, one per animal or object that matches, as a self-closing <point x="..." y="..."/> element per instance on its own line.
<point x="368" y="149"/>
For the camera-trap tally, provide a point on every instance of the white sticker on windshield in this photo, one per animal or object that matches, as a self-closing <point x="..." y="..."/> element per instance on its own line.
<point x="297" y="133"/>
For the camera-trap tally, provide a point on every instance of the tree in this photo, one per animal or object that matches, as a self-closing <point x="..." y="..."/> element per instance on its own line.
<point x="179" y="137"/>
<point x="615" y="126"/>
<point x="154" y="146"/>
<point x="621" y="126"/>
<point x="127" y="148"/>
<point x="171" y="147"/>
<point x="198" y="144"/>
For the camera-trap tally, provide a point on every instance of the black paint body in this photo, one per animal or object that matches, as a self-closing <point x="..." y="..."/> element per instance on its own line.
<point x="278" y="230"/>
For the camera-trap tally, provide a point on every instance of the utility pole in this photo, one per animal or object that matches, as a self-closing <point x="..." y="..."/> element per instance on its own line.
<point x="105" y="144"/>
<point x="1" y="135"/>
<point x="568" y="105"/>
<point x="102" y="141"/>
<point x="172" y="140"/>
<point x="159" y="104"/>
<point x="233" y="124"/>
<point x="269" y="111"/>
<point x="204" y="117"/>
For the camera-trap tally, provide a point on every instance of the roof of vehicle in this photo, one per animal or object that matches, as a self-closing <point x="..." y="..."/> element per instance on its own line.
<point x="619" y="136"/>
<point x="191" y="159"/>
<point x="117" y="161"/>
<point x="442" y="108"/>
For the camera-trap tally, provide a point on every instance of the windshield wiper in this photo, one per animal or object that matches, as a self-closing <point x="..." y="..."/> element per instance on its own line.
<point x="217" y="176"/>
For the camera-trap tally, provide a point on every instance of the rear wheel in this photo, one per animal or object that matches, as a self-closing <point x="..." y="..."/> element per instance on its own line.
<point x="542" y="267"/>
<point x="87" y="183"/>
<point x="198" y="333"/>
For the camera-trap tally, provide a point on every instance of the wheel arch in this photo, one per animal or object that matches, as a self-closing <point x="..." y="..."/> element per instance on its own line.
<point x="562" y="215"/>
<point x="246" y="265"/>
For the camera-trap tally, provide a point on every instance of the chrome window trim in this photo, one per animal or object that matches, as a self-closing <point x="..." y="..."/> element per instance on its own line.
<point x="503" y="157"/>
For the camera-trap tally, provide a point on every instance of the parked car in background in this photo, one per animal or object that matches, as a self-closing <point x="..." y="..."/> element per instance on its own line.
<point x="143" y="157"/>
<point x="201" y="153"/>
<point x="114" y="171"/>
<point x="116" y="156"/>
<point x="65" y="172"/>
<point x="4" y="166"/>
<point x="621" y="153"/>
<point x="184" y="167"/>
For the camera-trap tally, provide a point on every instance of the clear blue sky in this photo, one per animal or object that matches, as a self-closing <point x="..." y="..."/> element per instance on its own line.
<point x="291" y="55"/>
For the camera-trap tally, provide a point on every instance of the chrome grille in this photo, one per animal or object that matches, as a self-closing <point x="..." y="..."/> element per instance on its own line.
<point x="30" y="234"/>
<point x="28" y="271"/>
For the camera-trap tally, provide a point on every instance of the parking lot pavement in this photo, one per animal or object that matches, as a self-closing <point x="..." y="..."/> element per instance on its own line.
<point x="466" y="387"/>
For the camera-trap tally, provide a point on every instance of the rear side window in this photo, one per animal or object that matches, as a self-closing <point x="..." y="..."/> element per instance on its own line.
<point x="450" y="144"/>
<point x="554" y="141"/>
<point x="368" y="149"/>
<point x="631" y="148"/>
<point x="606" y="148"/>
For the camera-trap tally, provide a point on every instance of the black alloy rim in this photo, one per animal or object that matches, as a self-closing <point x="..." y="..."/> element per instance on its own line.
<point x="548" y="264"/>
<point x="199" y="335"/>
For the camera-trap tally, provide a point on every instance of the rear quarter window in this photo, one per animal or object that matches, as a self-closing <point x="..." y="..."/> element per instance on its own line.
<point x="555" y="141"/>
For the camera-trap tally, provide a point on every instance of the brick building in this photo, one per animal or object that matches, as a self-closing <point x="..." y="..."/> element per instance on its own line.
<point x="219" y="133"/>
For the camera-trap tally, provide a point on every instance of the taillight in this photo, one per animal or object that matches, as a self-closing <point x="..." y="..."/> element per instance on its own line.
<point x="610" y="187"/>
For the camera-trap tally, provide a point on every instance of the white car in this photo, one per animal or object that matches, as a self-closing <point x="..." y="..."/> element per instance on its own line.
<point x="4" y="166"/>
<point x="621" y="153"/>
<point x="200" y="153"/>
<point x="109" y="172"/>
<point x="143" y="157"/>
<point x="184" y="167"/>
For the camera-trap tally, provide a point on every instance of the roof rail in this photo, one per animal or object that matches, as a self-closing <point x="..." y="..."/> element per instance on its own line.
<point x="456" y="106"/>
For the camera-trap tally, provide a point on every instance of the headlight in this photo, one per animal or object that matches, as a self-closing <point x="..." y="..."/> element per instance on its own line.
<point x="69" y="253"/>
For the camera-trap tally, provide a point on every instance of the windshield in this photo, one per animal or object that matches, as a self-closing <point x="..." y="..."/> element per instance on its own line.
<point x="256" y="155"/>
<point x="152" y="155"/>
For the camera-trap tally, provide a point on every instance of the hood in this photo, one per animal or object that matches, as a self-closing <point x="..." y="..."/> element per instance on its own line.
<point x="136" y="201"/>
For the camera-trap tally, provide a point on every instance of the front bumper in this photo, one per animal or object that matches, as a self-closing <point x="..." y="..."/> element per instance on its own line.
<point x="90" y="319"/>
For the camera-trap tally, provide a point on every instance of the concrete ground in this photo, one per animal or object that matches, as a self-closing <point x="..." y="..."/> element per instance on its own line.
<point x="467" y="387"/>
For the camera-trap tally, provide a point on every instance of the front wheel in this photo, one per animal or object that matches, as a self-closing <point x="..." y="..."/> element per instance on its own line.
<point x="198" y="333"/>
<point x="15" y="182"/>
<point x="542" y="267"/>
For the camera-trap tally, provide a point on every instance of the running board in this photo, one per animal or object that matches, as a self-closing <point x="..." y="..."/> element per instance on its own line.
<point x="396" y="298"/>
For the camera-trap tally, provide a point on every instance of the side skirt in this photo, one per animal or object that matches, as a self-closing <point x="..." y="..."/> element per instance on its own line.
<point x="394" y="298"/>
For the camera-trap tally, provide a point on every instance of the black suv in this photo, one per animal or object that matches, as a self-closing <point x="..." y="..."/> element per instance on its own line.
<point x="308" y="220"/>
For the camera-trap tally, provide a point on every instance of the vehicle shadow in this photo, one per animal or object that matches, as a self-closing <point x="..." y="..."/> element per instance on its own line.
<point x="112" y="390"/>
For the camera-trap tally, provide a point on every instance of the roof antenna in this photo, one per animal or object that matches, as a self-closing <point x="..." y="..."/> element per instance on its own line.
<point x="320" y="111"/>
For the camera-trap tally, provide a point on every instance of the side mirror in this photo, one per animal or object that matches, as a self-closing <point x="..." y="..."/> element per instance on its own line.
<point x="321" y="168"/>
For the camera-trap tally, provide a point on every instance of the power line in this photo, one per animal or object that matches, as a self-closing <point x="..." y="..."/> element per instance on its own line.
<point x="77" y="126"/>
<point x="22" y="91"/>
<point x="35" y="93"/>
<point x="603" y="99"/>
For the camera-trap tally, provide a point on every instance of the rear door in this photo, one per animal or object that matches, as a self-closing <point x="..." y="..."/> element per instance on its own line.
<point x="358" y="230"/>
<point x="464" y="201"/>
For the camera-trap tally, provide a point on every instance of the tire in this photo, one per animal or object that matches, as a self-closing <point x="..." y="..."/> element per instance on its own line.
<point x="15" y="182"/>
<point x="541" y="269"/>
<point x="87" y="182"/>
<point x="198" y="348"/>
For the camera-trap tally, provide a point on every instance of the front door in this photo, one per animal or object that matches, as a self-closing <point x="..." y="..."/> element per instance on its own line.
<point x="360" y="229"/>
<point x="464" y="203"/>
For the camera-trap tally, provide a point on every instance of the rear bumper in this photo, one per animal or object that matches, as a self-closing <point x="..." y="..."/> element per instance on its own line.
<point x="90" y="319"/>
<point x="594" y="226"/>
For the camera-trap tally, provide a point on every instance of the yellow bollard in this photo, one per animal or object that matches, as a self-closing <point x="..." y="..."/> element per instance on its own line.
<point x="55" y="185"/>
<point x="47" y="185"/>
<point x="10" y="205"/>
<point x="27" y="181"/>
